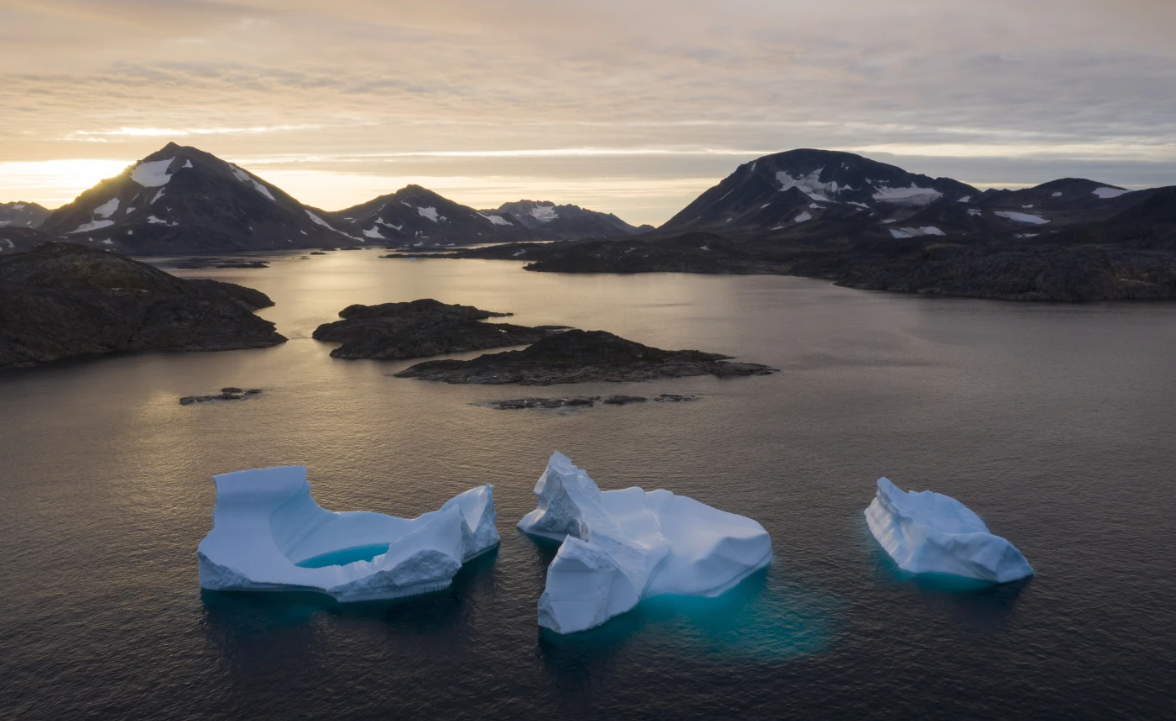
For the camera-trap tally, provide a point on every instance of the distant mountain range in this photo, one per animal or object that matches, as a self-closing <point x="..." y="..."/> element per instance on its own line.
<point x="562" y="222"/>
<point x="182" y="200"/>
<point x="22" y="215"/>
<point x="871" y="225"/>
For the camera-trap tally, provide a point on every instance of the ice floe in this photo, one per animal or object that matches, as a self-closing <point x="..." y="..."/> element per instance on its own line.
<point x="268" y="534"/>
<point x="622" y="546"/>
<point x="929" y="532"/>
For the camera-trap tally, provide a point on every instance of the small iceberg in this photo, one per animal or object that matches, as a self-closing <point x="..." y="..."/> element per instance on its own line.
<point x="622" y="546"/>
<point x="932" y="533"/>
<point x="268" y="534"/>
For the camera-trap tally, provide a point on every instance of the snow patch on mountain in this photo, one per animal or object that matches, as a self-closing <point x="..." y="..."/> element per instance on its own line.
<point x="245" y="178"/>
<point x="152" y="174"/>
<point x="430" y="213"/>
<point x="107" y="209"/>
<point x="319" y="221"/>
<point x="160" y="221"/>
<point x="544" y="213"/>
<point x="810" y="185"/>
<point x="803" y="217"/>
<point x="915" y="232"/>
<point x="373" y="232"/>
<point x="1108" y="193"/>
<point x="92" y="225"/>
<point x="914" y="195"/>
<point x="496" y="219"/>
<point x="1021" y="217"/>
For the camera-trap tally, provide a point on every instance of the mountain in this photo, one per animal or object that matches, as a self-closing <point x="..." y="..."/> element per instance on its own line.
<point x="787" y="189"/>
<point x="563" y="222"/>
<point x="416" y="216"/>
<point x="22" y="214"/>
<point x="63" y="299"/>
<point x="15" y="239"/>
<point x="820" y="198"/>
<point x="183" y="200"/>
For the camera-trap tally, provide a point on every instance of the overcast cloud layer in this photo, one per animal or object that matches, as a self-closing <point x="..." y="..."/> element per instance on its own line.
<point x="632" y="107"/>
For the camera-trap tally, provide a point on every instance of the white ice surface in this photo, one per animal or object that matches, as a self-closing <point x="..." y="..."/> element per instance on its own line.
<point x="265" y="523"/>
<point x="1107" y="193"/>
<point x="152" y="174"/>
<point x="1021" y="217"/>
<point x="928" y="532"/>
<point x="622" y="546"/>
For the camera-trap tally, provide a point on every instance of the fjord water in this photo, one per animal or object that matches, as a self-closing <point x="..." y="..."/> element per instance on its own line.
<point x="1054" y="423"/>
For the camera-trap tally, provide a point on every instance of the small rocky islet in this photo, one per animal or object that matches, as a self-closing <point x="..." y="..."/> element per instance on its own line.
<point x="230" y="393"/>
<point x="421" y="328"/>
<point x="515" y="404"/>
<point x="579" y="356"/>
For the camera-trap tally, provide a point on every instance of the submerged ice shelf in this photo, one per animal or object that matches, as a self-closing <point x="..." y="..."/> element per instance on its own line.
<point x="268" y="534"/>
<point x="929" y="532"/>
<point x="622" y="546"/>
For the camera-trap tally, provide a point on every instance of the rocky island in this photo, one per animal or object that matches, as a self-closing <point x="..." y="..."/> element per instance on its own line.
<point x="421" y="328"/>
<point x="578" y="356"/>
<point x="61" y="300"/>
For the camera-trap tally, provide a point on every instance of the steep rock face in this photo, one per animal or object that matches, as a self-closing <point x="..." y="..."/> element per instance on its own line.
<point x="61" y="300"/>
<point x="416" y="216"/>
<point x="15" y="239"/>
<point x="563" y="222"/>
<point x="183" y="200"/>
<point x="578" y="356"/>
<point x="21" y="214"/>
<point x="418" y="329"/>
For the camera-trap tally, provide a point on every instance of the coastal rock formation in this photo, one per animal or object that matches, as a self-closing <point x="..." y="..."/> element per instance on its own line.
<point x="268" y="534"/>
<point x="578" y="356"/>
<point x="931" y="533"/>
<point x="515" y="404"/>
<point x="61" y="300"/>
<point x="420" y="328"/>
<point x="622" y="546"/>
<point x="226" y="394"/>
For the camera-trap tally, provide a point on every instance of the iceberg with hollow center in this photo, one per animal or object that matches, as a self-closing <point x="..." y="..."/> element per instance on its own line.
<point x="622" y="546"/>
<point x="268" y="534"/>
<point x="929" y="532"/>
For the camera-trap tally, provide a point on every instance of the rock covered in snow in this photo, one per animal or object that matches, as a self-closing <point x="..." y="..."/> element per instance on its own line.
<point x="622" y="546"/>
<point x="268" y="534"/>
<point x="928" y="532"/>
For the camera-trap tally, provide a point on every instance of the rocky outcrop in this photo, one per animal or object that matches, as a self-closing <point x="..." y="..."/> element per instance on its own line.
<point x="420" y="328"/>
<point x="62" y="300"/>
<point x="578" y="356"/>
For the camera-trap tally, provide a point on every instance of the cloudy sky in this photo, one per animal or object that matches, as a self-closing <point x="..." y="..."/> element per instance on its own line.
<point x="630" y="106"/>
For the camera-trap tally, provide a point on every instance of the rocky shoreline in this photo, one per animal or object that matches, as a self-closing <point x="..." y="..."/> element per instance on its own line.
<point x="61" y="300"/>
<point x="514" y="404"/>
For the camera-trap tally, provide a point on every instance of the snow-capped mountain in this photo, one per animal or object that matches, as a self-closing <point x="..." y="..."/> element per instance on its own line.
<point x="183" y="200"/>
<point x="798" y="186"/>
<point x="815" y="195"/>
<point x="563" y="222"/>
<point x="22" y="215"/>
<point x="416" y="216"/>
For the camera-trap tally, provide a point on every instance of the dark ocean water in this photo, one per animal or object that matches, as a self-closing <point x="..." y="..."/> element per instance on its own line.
<point x="1054" y="423"/>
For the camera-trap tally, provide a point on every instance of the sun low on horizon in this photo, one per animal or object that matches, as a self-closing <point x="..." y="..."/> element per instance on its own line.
<point x="631" y="108"/>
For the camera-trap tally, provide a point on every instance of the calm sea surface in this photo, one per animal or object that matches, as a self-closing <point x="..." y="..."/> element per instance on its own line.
<point x="1054" y="423"/>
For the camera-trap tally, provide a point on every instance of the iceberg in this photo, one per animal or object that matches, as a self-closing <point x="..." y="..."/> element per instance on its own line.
<point x="268" y="534"/>
<point x="929" y="532"/>
<point x="619" y="547"/>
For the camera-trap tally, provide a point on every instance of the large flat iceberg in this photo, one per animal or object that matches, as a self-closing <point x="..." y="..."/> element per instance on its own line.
<point x="931" y="533"/>
<point x="268" y="534"/>
<point x="622" y="546"/>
